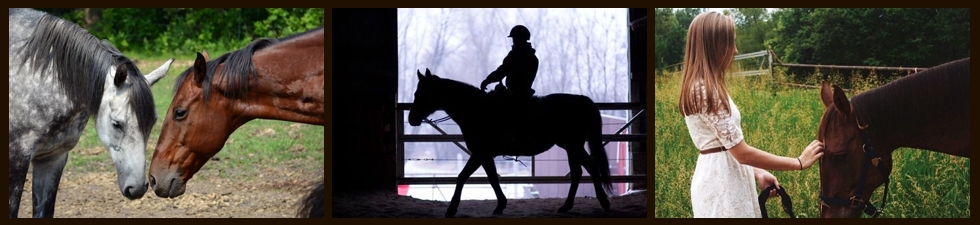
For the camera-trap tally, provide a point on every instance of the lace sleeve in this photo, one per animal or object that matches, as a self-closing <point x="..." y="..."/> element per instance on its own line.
<point x="725" y="124"/>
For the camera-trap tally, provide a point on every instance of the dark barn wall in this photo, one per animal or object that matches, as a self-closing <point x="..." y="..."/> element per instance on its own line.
<point x="365" y="62"/>
<point x="638" y="89"/>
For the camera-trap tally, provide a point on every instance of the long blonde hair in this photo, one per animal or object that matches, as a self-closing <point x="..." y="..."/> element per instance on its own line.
<point x="709" y="51"/>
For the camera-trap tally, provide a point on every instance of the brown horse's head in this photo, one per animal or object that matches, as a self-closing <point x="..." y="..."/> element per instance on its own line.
<point x="840" y="167"/>
<point x="193" y="131"/>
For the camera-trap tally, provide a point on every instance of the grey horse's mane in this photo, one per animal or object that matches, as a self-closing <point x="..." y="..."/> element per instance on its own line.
<point x="81" y="61"/>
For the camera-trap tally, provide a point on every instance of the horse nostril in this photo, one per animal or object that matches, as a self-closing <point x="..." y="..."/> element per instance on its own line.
<point x="153" y="181"/>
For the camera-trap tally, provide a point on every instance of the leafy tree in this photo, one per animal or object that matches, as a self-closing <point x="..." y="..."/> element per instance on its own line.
<point x="686" y="15"/>
<point x="909" y="37"/>
<point x="285" y="21"/>
<point x="668" y="39"/>
<point x="752" y="27"/>
<point x="188" y="30"/>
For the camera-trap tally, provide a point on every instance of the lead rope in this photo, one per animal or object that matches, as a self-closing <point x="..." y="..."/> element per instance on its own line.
<point x="787" y="203"/>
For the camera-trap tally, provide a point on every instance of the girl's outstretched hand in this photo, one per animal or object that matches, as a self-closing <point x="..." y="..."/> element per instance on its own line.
<point x="811" y="154"/>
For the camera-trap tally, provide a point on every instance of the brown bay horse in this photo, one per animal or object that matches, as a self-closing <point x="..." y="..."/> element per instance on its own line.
<point x="277" y="79"/>
<point x="928" y="110"/>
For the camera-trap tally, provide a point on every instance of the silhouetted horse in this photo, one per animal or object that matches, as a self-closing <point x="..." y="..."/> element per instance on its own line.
<point x="563" y="119"/>
<point x="927" y="110"/>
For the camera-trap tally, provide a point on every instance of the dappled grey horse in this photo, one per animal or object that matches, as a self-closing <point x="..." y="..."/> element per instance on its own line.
<point x="59" y="76"/>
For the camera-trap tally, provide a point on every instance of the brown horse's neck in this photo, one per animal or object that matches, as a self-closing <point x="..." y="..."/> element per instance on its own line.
<point x="288" y="87"/>
<point x="910" y="113"/>
<point x="298" y="101"/>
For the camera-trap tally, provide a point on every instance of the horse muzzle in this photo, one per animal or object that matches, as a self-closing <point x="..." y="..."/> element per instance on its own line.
<point x="167" y="186"/>
<point x="414" y="120"/>
<point x="134" y="191"/>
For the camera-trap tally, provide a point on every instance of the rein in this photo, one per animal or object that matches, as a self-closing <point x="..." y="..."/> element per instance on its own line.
<point x="787" y="203"/>
<point x="871" y="157"/>
<point x="446" y="118"/>
<point x="440" y="120"/>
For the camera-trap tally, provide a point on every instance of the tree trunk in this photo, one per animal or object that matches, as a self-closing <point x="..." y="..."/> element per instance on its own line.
<point x="91" y="16"/>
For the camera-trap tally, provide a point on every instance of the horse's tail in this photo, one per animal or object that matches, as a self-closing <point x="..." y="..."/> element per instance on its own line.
<point x="312" y="206"/>
<point x="597" y="150"/>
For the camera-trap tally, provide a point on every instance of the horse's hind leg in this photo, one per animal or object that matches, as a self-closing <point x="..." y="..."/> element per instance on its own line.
<point x="47" y="176"/>
<point x="575" y="171"/>
<point x="471" y="165"/>
<point x="586" y="161"/>
<point x="17" y="174"/>
<point x="494" y="178"/>
<point x="591" y="167"/>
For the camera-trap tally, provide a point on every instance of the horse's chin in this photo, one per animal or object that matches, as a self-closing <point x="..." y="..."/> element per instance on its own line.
<point x="840" y="212"/>
<point x="177" y="188"/>
<point x="174" y="190"/>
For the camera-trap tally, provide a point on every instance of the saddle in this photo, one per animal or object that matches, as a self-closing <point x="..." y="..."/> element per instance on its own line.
<point x="517" y="106"/>
<point x="516" y="112"/>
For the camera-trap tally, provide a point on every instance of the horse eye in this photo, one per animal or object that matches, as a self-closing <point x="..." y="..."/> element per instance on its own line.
<point x="836" y="156"/>
<point x="179" y="114"/>
<point x="117" y="125"/>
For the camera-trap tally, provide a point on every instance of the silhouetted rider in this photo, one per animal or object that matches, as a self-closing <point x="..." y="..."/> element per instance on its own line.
<point x="519" y="67"/>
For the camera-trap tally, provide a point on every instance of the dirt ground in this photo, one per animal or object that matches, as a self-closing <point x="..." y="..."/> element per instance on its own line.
<point x="272" y="194"/>
<point x="381" y="204"/>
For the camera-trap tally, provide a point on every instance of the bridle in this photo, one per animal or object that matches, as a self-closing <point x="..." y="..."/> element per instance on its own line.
<point x="870" y="157"/>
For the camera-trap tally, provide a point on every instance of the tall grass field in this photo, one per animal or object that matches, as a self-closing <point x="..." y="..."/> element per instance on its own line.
<point x="783" y="120"/>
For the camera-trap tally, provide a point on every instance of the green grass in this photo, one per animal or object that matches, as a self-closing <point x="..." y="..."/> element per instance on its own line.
<point x="924" y="184"/>
<point x="299" y="146"/>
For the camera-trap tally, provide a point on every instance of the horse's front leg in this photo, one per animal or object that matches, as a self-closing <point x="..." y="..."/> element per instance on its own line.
<point x="494" y="178"/>
<point x="47" y="176"/>
<point x="17" y="175"/>
<point x="471" y="165"/>
<point x="575" y="171"/>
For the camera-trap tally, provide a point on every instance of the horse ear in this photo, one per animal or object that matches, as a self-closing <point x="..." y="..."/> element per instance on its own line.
<point x="427" y="73"/>
<point x="420" y="74"/>
<point x="200" y="68"/>
<point x="207" y="57"/>
<point x="120" y="75"/>
<point x="826" y="94"/>
<point x="158" y="73"/>
<point x="840" y="101"/>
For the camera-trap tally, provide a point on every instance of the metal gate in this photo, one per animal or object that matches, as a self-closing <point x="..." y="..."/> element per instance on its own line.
<point x="637" y="109"/>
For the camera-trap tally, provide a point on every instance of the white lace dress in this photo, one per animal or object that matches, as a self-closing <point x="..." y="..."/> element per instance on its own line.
<point x="721" y="187"/>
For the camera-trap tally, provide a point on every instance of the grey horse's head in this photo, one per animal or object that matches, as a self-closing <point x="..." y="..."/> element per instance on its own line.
<point x="126" y="99"/>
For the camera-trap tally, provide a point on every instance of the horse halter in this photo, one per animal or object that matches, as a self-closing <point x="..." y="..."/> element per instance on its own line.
<point x="870" y="157"/>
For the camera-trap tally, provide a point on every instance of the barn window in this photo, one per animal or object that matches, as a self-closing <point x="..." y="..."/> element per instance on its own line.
<point x="580" y="51"/>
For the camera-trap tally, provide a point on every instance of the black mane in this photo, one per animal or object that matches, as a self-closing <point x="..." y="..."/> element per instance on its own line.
<point x="461" y="90"/>
<point x="81" y="62"/>
<point x="238" y="68"/>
